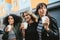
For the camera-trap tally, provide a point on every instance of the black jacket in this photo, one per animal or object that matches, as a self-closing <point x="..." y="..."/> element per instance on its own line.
<point x="31" y="32"/>
<point x="53" y="33"/>
<point x="17" y="32"/>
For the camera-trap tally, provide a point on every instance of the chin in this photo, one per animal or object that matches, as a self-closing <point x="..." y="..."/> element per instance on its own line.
<point x="43" y="15"/>
<point x="27" y="20"/>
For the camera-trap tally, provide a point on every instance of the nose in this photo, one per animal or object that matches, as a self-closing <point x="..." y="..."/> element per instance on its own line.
<point x="25" y="17"/>
<point x="42" y="9"/>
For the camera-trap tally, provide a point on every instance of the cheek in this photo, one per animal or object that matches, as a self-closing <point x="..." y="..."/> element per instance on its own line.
<point x="45" y="10"/>
<point x="12" y="21"/>
<point x="25" y="17"/>
<point x="28" y="18"/>
<point x="38" y="11"/>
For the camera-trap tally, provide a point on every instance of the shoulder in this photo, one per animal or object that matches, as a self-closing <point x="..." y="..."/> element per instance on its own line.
<point x="53" y="19"/>
<point x="53" y="22"/>
<point x="35" y="23"/>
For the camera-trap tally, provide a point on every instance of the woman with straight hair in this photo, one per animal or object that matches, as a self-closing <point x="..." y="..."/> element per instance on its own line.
<point x="47" y="25"/>
<point x="31" y="31"/>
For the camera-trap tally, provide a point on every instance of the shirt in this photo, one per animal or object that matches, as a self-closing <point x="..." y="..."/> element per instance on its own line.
<point x="39" y="29"/>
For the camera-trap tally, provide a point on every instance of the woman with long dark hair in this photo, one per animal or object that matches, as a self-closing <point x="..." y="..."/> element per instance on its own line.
<point x="47" y="26"/>
<point x="12" y="27"/>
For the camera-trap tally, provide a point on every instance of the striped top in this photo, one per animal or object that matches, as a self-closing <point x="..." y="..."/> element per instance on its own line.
<point x="39" y="29"/>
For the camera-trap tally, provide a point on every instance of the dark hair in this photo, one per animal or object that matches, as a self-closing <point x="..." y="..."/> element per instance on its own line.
<point x="17" y="19"/>
<point x="40" y="5"/>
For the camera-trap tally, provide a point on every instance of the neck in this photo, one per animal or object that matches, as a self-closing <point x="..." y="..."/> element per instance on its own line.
<point x="30" y="22"/>
<point x="11" y="24"/>
<point x="41" y="17"/>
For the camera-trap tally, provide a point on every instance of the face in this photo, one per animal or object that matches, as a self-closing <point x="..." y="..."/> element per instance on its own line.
<point x="42" y="11"/>
<point x="27" y="17"/>
<point x="11" y="20"/>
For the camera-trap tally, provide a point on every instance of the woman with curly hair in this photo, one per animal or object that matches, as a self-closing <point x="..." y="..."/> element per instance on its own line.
<point x="12" y="27"/>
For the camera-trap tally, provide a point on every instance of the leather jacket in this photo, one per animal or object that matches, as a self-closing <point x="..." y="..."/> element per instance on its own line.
<point x="53" y="33"/>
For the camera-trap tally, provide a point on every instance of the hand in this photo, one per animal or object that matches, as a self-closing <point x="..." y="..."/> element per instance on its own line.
<point x="22" y="26"/>
<point x="23" y="29"/>
<point x="46" y="28"/>
<point x="8" y="28"/>
<point x="46" y="23"/>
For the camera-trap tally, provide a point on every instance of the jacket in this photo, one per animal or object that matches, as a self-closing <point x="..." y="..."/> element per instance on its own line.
<point x="53" y="33"/>
<point x="31" y="32"/>
<point x="17" y="32"/>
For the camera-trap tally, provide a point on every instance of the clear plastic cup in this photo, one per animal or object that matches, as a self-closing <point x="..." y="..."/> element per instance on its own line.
<point x="9" y="27"/>
<point x="44" y="20"/>
<point x="25" y="25"/>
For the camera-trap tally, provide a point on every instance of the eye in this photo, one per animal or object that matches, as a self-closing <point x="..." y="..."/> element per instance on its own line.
<point x="11" y="18"/>
<point x="25" y="15"/>
<point x="44" y="7"/>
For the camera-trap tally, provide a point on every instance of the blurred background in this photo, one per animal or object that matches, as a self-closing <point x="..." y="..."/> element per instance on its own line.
<point x="18" y="6"/>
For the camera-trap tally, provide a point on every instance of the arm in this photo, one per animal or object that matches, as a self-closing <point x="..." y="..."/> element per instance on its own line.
<point x="53" y="28"/>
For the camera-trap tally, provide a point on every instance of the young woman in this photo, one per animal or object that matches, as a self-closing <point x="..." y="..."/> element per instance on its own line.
<point x="47" y="26"/>
<point x="31" y="31"/>
<point x="12" y="27"/>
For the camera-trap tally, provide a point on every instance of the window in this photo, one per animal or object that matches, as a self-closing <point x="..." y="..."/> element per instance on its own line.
<point x="51" y="1"/>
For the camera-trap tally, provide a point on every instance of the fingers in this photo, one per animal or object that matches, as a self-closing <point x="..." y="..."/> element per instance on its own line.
<point x="47" y="21"/>
<point x="6" y="29"/>
<point x="22" y="26"/>
<point x="46" y="24"/>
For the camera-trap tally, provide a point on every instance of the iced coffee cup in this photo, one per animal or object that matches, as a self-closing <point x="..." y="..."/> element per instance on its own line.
<point x="44" y="20"/>
<point x="25" y="25"/>
<point x="9" y="27"/>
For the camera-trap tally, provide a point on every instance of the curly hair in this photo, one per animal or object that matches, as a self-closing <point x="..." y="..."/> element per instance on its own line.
<point x="17" y="19"/>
